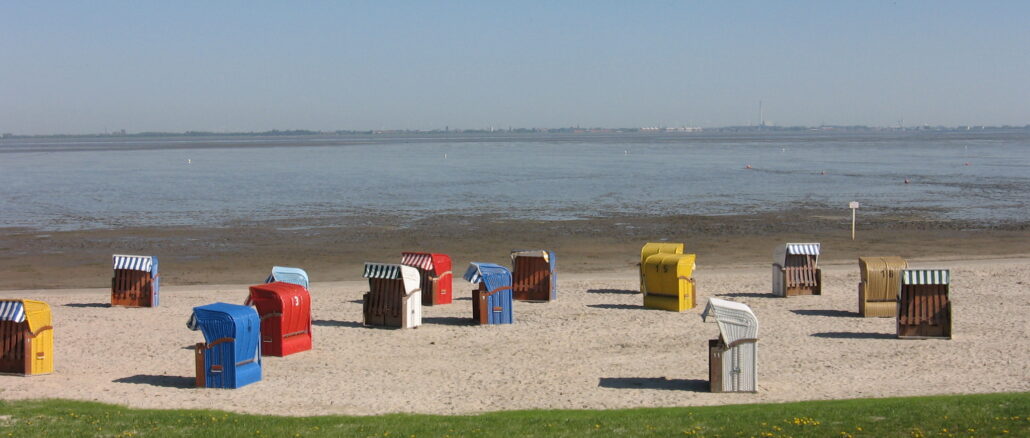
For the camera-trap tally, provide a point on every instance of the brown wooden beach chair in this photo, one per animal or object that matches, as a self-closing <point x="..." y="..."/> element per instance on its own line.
<point x="795" y="270"/>
<point x="924" y="308"/>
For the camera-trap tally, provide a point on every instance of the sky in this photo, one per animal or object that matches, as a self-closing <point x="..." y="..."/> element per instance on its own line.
<point x="91" y="67"/>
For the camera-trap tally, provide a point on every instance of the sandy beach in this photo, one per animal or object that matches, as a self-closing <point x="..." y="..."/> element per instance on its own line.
<point x="594" y="348"/>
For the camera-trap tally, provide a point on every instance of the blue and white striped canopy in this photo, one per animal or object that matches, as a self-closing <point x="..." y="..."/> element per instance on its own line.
<point x="803" y="248"/>
<point x="133" y="262"/>
<point x="925" y="276"/>
<point x="492" y="275"/>
<point x="12" y="311"/>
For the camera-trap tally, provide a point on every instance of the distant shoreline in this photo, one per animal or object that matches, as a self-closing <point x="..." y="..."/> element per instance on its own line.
<point x="657" y="130"/>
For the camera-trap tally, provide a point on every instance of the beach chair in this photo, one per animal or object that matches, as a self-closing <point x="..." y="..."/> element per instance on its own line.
<point x="26" y="338"/>
<point x="285" y="312"/>
<point x="924" y="308"/>
<point x="795" y="270"/>
<point x="669" y="282"/>
<point x="230" y="356"/>
<point x="733" y="357"/>
<point x="394" y="298"/>
<point x="492" y="301"/>
<point x="878" y="289"/>
<point x="288" y="275"/>
<point x="435" y="271"/>
<point x="651" y="249"/>
<point x="533" y="275"/>
<point x="136" y="282"/>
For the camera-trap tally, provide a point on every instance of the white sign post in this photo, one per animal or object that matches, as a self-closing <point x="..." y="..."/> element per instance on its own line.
<point x="854" y="206"/>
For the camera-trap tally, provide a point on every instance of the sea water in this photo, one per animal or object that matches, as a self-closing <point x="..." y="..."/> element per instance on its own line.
<point x="85" y="183"/>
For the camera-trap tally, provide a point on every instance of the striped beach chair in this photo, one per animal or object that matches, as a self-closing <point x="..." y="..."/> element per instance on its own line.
<point x="795" y="270"/>
<point x="435" y="272"/>
<point x="394" y="298"/>
<point x="924" y="305"/>
<point x="136" y="282"/>
<point x="26" y="337"/>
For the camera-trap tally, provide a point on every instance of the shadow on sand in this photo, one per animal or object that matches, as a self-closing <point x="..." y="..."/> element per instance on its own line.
<point x="447" y="320"/>
<point x="854" y="335"/>
<point x="696" y="385"/>
<point x="87" y="305"/>
<point x="616" y="306"/>
<point x="613" y="291"/>
<point x="163" y="381"/>
<point x="827" y="312"/>
<point x="747" y="295"/>
<point x="334" y="323"/>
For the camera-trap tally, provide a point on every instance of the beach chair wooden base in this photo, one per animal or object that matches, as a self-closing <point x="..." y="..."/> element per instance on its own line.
<point x="388" y="306"/>
<point x="715" y="352"/>
<point x="198" y="353"/>
<point x="924" y="312"/>
<point x="481" y="310"/>
<point x="16" y="349"/>
<point x="721" y="361"/>
<point x="434" y="292"/>
<point x="684" y="300"/>
<point x="798" y="290"/>
<point x="130" y="288"/>
<point x="875" y="309"/>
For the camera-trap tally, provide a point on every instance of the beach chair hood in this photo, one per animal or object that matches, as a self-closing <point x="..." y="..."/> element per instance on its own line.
<point x="135" y="263"/>
<point x="781" y="252"/>
<point x="288" y="275"/>
<point x="736" y="320"/>
<point x="925" y="276"/>
<point x="440" y="264"/>
<point x="542" y="253"/>
<point x="223" y="320"/>
<point x="36" y="313"/>
<point x="491" y="275"/>
<point x="391" y="271"/>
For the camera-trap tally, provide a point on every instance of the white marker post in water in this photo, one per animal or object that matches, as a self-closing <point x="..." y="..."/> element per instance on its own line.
<point x="854" y="206"/>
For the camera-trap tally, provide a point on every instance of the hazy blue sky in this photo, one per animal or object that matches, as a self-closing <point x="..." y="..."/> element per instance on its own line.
<point x="75" y="67"/>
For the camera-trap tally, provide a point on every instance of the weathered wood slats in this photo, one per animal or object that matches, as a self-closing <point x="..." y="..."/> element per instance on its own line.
<point x="131" y="288"/>
<point x="924" y="310"/>
<point x="531" y="278"/>
<point x="14" y="356"/>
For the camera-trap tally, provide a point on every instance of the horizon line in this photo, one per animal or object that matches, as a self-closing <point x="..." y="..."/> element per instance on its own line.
<point x="523" y="130"/>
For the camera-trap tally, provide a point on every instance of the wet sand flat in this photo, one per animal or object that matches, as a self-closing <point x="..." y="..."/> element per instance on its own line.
<point x="333" y="250"/>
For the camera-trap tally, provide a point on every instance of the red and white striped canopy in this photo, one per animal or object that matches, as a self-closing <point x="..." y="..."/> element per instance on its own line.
<point x="421" y="260"/>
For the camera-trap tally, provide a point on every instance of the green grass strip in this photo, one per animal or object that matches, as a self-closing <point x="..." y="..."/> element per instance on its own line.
<point x="981" y="415"/>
